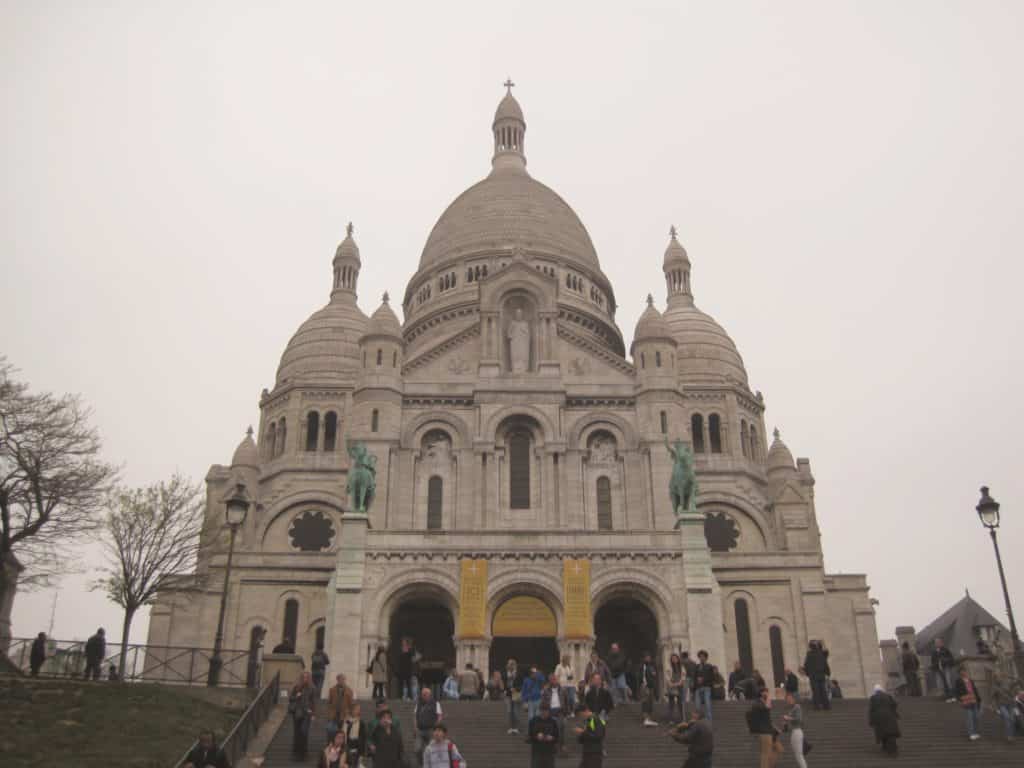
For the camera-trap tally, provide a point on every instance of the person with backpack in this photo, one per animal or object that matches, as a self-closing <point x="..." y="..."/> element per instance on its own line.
<point x="817" y="670"/>
<point x="590" y="734"/>
<point x="795" y="725"/>
<point x="697" y="734"/>
<point x="427" y="716"/>
<point x="318" y="664"/>
<point x="970" y="699"/>
<point x="759" y="720"/>
<point x="440" y="752"/>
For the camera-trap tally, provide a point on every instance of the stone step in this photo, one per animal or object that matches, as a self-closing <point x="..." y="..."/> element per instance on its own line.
<point x="934" y="736"/>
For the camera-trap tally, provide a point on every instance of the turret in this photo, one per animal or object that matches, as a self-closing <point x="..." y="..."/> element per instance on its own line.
<point x="378" y="395"/>
<point x="509" y="129"/>
<point x="677" y="272"/>
<point x="346" y="265"/>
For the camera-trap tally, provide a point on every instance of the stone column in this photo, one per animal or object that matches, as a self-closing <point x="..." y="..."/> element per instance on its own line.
<point x="703" y="595"/>
<point x="475" y="651"/>
<point x="344" y="619"/>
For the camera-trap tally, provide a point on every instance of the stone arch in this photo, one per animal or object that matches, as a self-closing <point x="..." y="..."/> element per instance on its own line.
<point x="533" y="582"/>
<point x="741" y="508"/>
<point x="432" y="583"/>
<point x="287" y="504"/>
<point x="497" y="421"/>
<point x="729" y="617"/>
<point x="641" y="586"/>
<point x="457" y="429"/>
<point x="790" y="649"/>
<point x="622" y="430"/>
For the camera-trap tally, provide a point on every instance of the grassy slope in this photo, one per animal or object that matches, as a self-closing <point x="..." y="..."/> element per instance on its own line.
<point x="98" y="725"/>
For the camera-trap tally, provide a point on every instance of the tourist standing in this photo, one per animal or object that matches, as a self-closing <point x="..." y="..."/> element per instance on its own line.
<point x="737" y="677"/>
<point x="544" y="737"/>
<point x="697" y="734"/>
<point x="405" y="681"/>
<point x="760" y="720"/>
<point x="440" y="752"/>
<point x="318" y="663"/>
<point x="386" y="744"/>
<point x="334" y="754"/>
<point x="339" y="705"/>
<point x="450" y="686"/>
<point x="703" y="679"/>
<point x="792" y="683"/>
<point x="795" y="722"/>
<point x="816" y="668"/>
<point x="884" y="718"/>
<point x="675" y="683"/>
<point x="206" y="753"/>
<point x="532" y="686"/>
<point x="597" y="666"/>
<point x="967" y="694"/>
<point x="427" y="715"/>
<point x="942" y="669"/>
<point x="355" y="735"/>
<point x="1004" y="704"/>
<point x="379" y="672"/>
<point x="469" y="683"/>
<point x="911" y="664"/>
<point x="37" y="655"/>
<point x="648" y="681"/>
<point x="513" y="694"/>
<point x="302" y="706"/>
<point x="95" y="650"/>
<point x="617" y="669"/>
<point x="495" y="688"/>
<point x="567" y="680"/>
<point x="598" y="699"/>
<point x="590" y="735"/>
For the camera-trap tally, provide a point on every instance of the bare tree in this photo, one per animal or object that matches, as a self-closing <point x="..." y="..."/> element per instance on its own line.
<point x="52" y="480"/>
<point x="151" y="536"/>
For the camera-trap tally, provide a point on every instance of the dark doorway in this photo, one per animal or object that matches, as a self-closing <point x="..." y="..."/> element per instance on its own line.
<point x="542" y="651"/>
<point x="632" y="625"/>
<point x="431" y="627"/>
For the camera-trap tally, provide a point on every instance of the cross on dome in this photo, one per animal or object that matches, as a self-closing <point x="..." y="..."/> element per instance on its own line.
<point x="672" y="231"/>
<point x="249" y="431"/>
<point x="348" y="229"/>
<point x="385" y="298"/>
<point x="509" y="85"/>
<point x="776" y="433"/>
<point x="650" y="300"/>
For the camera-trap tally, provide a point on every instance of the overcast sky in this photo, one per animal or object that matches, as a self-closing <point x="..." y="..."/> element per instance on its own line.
<point x="847" y="179"/>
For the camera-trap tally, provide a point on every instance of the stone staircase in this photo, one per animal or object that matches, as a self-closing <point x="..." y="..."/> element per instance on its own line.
<point x="934" y="736"/>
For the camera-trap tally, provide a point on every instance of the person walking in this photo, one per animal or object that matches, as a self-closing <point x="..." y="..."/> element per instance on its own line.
<point x="1004" y="705"/>
<point x="318" y="664"/>
<point x="469" y="683"/>
<point x="598" y="699"/>
<point x="354" y="728"/>
<point x="95" y="650"/>
<point x="942" y="669"/>
<point x="37" y="655"/>
<point x="648" y="682"/>
<point x="697" y="734"/>
<point x="532" y="686"/>
<point x="206" y="753"/>
<point x="405" y="666"/>
<point x="495" y="687"/>
<point x="759" y="718"/>
<point x="442" y="752"/>
<point x="386" y="744"/>
<point x="334" y="754"/>
<point x="816" y="669"/>
<point x="617" y="669"/>
<point x="734" y="688"/>
<point x="450" y="686"/>
<point x="970" y="699"/>
<point x="794" y="720"/>
<point x="675" y="682"/>
<point x="567" y="681"/>
<point x="703" y="680"/>
<point x="597" y="666"/>
<point x="590" y="735"/>
<point x="339" y="705"/>
<point x="544" y="736"/>
<point x="884" y="718"/>
<point x="379" y="672"/>
<point x="427" y="716"/>
<point x="791" y="683"/>
<point x="513" y="694"/>
<point x="302" y="707"/>
<point x="911" y="664"/>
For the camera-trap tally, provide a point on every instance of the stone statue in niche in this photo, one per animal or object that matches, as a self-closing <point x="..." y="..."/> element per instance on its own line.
<point x="437" y="448"/>
<point x="519" y="343"/>
<point x="602" y="451"/>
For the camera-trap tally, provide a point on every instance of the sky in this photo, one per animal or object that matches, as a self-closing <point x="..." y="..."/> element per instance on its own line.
<point x="846" y="177"/>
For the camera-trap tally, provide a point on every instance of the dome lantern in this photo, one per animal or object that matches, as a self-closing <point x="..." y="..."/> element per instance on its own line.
<point x="677" y="270"/>
<point x="509" y="130"/>
<point x="346" y="265"/>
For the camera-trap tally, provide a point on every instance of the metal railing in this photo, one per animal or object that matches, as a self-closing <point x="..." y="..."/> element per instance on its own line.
<point x="238" y="738"/>
<point x="143" y="663"/>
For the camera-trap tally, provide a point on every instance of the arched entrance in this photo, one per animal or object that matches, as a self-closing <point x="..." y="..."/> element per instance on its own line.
<point x="524" y="628"/>
<point x="430" y="625"/>
<point x="632" y="625"/>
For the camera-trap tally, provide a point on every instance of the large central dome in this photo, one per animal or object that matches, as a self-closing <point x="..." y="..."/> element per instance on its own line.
<point x="509" y="209"/>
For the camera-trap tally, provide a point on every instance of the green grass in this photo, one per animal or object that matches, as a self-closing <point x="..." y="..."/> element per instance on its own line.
<point x="99" y="725"/>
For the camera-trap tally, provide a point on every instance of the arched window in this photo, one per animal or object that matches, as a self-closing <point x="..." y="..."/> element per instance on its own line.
<point x="312" y="430"/>
<point x="380" y="357"/>
<point x="330" y="431"/>
<point x="374" y="420"/>
<point x="753" y="442"/>
<point x="291" y="623"/>
<point x="435" y="497"/>
<point x="697" y="430"/>
<point x="715" y="432"/>
<point x="320" y="632"/>
<point x="271" y="439"/>
<point x="657" y="359"/>
<point x="664" y="422"/>
<point x="604" y="504"/>
<point x="282" y="436"/>
<point x="743" y="437"/>
<point x="743" y="636"/>
<point x="643" y="360"/>
<point x="519" y="470"/>
<point x="778" y="658"/>
<point x="394" y="359"/>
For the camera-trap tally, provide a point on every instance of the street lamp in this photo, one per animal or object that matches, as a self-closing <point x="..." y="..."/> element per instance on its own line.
<point x="236" y="507"/>
<point x="988" y="513"/>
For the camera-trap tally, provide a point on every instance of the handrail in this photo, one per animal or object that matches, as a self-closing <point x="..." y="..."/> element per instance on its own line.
<point x="248" y="724"/>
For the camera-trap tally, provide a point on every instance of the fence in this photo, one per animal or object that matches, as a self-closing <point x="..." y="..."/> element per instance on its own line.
<point x="143" y="663"/>
<point x="248" y="724"/>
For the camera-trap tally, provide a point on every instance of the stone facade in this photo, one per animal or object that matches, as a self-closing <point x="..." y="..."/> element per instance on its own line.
<point x="509" y="426"/>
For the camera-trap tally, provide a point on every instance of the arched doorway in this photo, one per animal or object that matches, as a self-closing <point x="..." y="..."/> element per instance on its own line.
<point x="524" y="628"/>
<point x="429" y="624"/>
<point x="630" y="623"/>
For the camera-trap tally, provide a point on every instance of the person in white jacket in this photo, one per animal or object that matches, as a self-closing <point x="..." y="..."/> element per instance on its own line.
<point x="567" y="682"/>
<point x="442" y="753"/>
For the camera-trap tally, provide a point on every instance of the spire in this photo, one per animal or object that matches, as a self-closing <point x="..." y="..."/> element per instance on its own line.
<point x="650" y="300"/>
<point x="509" y="130"/>
<point x="385" y="298"/>
<point x="346" y="265"/>
<point x="676" y="267"/>
<point x="775" y="434"/>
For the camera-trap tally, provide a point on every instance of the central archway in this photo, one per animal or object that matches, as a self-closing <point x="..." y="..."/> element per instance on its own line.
<point x="630" y="623"/>
<point x="524" y="628"/>
<point x="430" y="625"/>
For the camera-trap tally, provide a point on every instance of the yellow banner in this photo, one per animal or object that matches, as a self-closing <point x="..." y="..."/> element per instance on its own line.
<point x="576" y="583"/>
<point x="473" y="599"/>
<point x="524" y="616"/>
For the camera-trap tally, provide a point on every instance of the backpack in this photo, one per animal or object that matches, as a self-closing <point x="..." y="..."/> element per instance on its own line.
<point x="453" y="761"/>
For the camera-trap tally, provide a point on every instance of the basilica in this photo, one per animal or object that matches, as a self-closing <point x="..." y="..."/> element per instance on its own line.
<point x="522" y="468"/>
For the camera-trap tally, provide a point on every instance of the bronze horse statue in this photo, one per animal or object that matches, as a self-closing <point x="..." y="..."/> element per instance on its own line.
<point x="683" y="486"/>
<point x="362" y="477"/>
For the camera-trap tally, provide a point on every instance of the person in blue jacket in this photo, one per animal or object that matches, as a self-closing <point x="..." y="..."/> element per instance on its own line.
<point x="532" y="686"/>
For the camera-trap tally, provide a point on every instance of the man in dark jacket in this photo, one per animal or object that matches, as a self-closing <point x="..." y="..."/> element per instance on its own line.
<point x="386" y="745"/>
<point x="970" y="699"/>
<point x="942" y="668"/>
<point x="617" y="667"/>
<point x="590" y="734"/>
<point x="648" y="679"/>
<point x="760" y="721"/>
<point x="698" y="735"/>
<point x="816" y="669"/>
<point x="597" y="698"/>
<point x="427" y="714"/>
<point x="38" y="654"/>
<point x="543" y="737"/>
<point x="206" y="753"/>
<point x="911" y="664"/>
<point x="703" y="681"/>
<point x="735" y="689"/>
<point x="792" y="683"/>
<point x="884" y="718"/>
<point x="95" y="650"/>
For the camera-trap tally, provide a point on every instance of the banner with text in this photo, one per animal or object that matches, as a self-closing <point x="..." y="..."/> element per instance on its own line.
<point x="576" y="583"/>
<point x="473" y="599"/>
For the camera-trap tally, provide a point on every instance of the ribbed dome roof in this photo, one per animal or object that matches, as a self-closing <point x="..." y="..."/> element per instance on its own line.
<point x="326" y="346"/>
<point x="347" y="247"/>
<point x="384" y="322"/>
<point x="508" y="107"/>
<point x="779" y="456"/>
<point x="651" y="325"/>
<point x="246" y="454"/>
<point x="506" y="209"/>
<point x="675" y="252"/>
<point x="705" y="350"/>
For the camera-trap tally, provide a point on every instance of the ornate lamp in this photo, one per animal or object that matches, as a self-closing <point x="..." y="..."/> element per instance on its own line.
<point x="988" y="513"/>
<point x="236" y="506"/>
<point x="988" y="510"/>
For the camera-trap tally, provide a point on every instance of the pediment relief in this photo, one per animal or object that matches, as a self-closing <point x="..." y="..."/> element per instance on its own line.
<point x="518" y="276"/>
<point x="789" y="495"/>
<point x="454" y="356"/>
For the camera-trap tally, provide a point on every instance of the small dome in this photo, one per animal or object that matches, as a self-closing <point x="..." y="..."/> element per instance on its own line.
<point x="651" y="325"/>
<point x="325" y="349"/>
<point x="347" y="248"/>
<point x="675" y="253"/>
<point x="779" y="456"/>
<point x="509" y="108"/>
<point x="706" y="353"/>
<point x="246" y="454"/>
<point x="384" y="322"/>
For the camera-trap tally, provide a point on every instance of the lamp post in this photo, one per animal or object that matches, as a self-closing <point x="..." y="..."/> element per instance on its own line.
<point x="988" y="513"/>
<point x="236" y="507"/>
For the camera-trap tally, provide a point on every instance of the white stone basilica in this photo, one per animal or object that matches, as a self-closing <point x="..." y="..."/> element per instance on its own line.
<point x="521" y="503"/>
